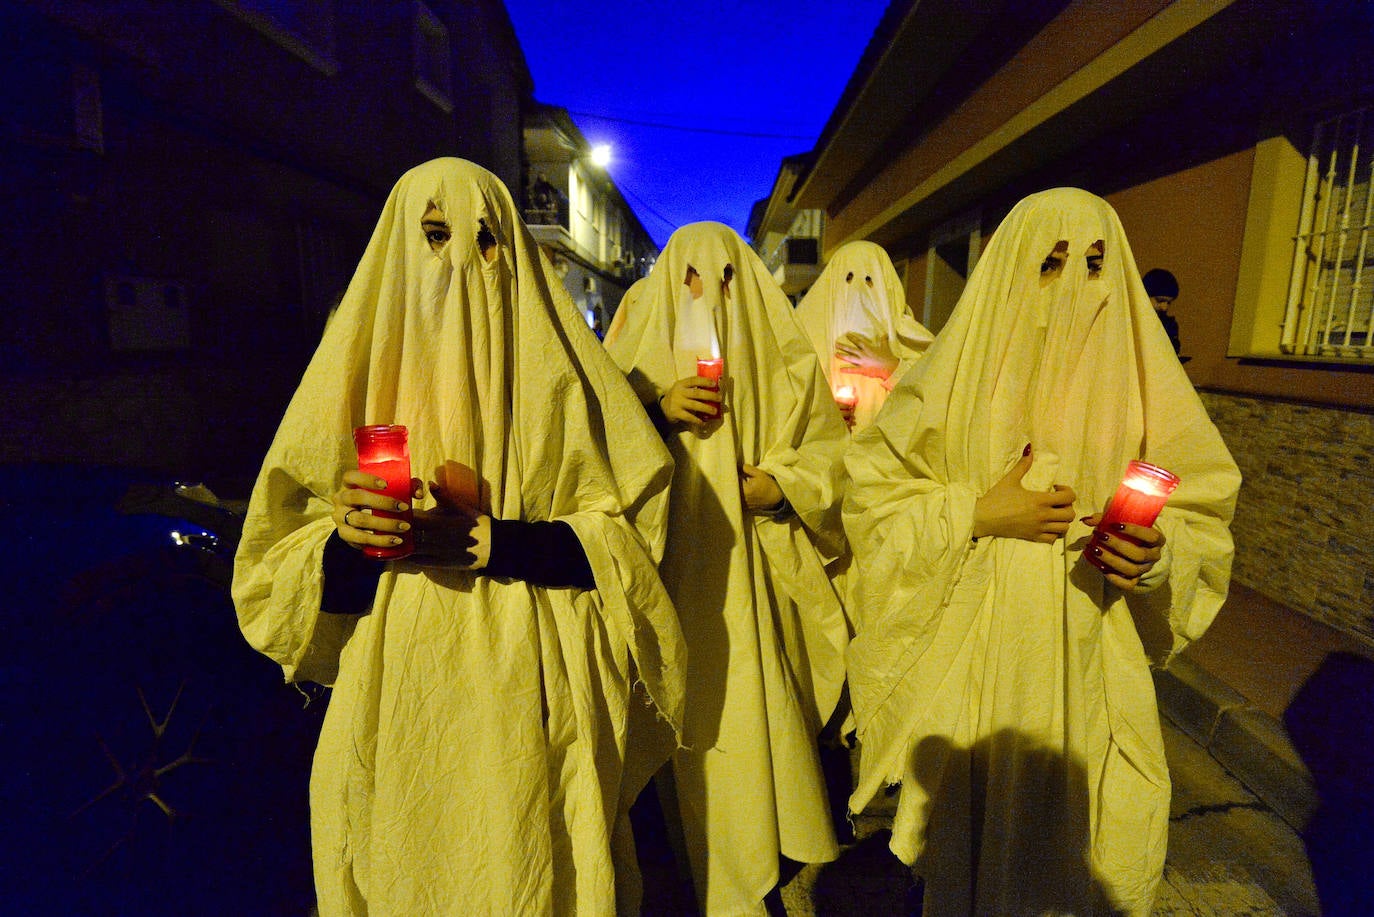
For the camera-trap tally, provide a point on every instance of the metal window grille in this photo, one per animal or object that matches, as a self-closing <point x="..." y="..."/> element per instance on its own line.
<point x="1331" y="289"/>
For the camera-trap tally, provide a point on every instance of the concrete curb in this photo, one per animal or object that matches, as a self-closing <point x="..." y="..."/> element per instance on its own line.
<point x="1248" y="742"/>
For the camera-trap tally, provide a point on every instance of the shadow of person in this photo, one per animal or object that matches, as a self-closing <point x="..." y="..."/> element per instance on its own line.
<point x="1331" y="723"/>
<point x="865" y="880"/>
<point x="1000" y="828"/>
<point x="696" y="571"/>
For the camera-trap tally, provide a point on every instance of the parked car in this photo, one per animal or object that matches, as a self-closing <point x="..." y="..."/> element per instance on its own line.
<point x="153" y="763"/>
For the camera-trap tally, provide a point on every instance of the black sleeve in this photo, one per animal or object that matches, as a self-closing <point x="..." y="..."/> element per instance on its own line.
<point x="1171" y="329"/>
<point x="660" y="420"/>
<point x="542" y="553"/>
<point x="350" y="579"/>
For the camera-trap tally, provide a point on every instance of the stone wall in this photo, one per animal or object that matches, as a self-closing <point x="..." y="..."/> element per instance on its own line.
<point x="1302" y="525"/>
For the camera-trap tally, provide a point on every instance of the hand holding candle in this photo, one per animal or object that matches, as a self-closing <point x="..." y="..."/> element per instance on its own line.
<point x="1140" y="496"/>
<point x="711" y="369"/>
<point x="690" y="401"/>
<point x="1138" y="500"/>
<point x="384" y="453"/>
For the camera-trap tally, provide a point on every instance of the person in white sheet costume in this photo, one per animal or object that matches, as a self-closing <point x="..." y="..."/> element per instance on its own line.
<point x="855" y="316"/>
<point x="474" y="758"/>
<point x="754" y="520"/>
<point x="622" y="311"/>
<point x="997" y="676"/>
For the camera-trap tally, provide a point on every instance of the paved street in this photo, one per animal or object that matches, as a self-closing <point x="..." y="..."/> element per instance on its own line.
<point x="1229" y="855"/>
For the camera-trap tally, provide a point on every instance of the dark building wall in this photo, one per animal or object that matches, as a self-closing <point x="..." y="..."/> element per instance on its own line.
<point x="222" y="164"/>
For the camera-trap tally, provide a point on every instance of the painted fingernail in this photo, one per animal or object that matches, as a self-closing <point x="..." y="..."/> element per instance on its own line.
<point x="402" y="507"/>
<point x="378" y="482"/>
<point x="405" y="526"/>
<point x="1084" y="518"/>
<point x="1026" y="451"/>
<point x="395" y="540"/>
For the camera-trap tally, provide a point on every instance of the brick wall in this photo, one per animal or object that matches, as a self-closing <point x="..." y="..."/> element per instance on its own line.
<point x="1302" y="525"/>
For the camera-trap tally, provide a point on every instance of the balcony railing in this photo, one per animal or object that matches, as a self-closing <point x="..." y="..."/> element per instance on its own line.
<point x="547" y="206"/>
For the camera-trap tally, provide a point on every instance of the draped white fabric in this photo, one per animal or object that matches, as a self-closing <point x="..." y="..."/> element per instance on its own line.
<point x="475" y="757"/>
<point x="622" y="311"/>
<point x="859" y="292"/>
<point x="765" y="630"/>
<point x="1003" y="682"/>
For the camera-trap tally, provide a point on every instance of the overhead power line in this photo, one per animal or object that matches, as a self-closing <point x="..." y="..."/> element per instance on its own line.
<point x="692" y="130"/>
<point x="672" y="226"/>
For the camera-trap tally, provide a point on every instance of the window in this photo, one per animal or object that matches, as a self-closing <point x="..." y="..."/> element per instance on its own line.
<point x="1304" y="291"/>
<point x="1331" y="284"/>
<point x="433" y="75"/>
<point x="802" y="251"/>
<point x="146" y="314"/>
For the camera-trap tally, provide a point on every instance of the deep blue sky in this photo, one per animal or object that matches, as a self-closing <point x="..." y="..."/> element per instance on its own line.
<point x="748" y="66"/>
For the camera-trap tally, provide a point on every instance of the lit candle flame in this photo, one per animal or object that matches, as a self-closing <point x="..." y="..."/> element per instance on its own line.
<point x="1147" y="484"/>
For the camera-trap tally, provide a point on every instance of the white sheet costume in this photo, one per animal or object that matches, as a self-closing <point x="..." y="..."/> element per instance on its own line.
<point x="765" y="631"/>
<point x="474" y="758"/>
<point x="859" y="292"/>
<point x="623" y="310"/>
<point x="1003" y="683"/>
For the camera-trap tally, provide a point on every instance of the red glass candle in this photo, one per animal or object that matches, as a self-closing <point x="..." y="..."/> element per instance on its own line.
<point x="1138" y="498"/>
<point x="383" y="451"/>
<point x="711" y="368"/>
<point x="846" y="397"/>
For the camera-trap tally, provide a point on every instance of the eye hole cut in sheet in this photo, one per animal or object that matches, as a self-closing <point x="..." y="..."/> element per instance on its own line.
<point x="695" y="335"/>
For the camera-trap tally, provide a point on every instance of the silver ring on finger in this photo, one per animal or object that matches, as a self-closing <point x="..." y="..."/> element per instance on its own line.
<point x="348" y="519"/>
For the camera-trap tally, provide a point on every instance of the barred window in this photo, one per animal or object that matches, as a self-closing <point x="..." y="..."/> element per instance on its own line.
<point x="1331" y="288"/>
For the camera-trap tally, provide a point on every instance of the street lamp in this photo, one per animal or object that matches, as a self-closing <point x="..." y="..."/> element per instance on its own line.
<point x="601" y="155"/>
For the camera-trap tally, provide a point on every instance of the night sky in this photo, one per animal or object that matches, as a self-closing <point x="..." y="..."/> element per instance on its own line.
<point x="737" y="85"/>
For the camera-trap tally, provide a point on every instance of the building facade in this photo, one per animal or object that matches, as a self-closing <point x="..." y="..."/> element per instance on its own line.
<point x="788" y="239"/>
<point x="189" y="187"/>
<point x="580" y="218"/>
<point x="1234" y="140"/>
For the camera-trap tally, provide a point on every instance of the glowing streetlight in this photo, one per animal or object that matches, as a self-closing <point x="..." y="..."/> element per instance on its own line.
<point x="601" y="155"/>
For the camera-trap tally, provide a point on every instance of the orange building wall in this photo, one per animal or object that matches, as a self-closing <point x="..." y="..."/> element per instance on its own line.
<point x="915" y="277"/>
<point x="1192" y="223"/>
<point x="1303" y="465"/>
